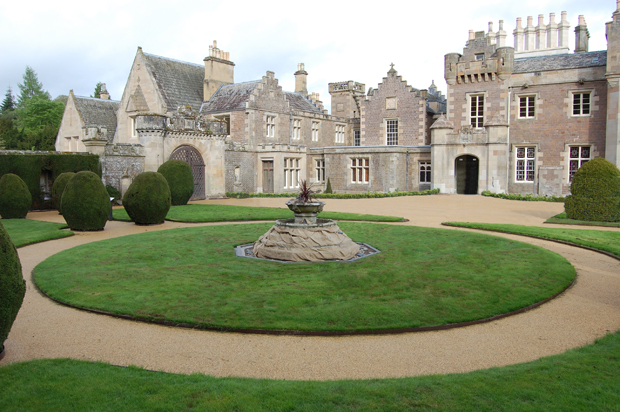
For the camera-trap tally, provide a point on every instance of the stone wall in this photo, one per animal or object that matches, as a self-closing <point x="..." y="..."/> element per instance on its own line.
<point x="240" y="171"/>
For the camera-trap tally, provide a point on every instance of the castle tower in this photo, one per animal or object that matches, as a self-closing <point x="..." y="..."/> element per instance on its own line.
<point x="346" y="98"/>
<point x="219" y="70"/>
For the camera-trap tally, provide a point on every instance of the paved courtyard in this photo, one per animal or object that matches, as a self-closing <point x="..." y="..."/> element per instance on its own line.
<point x="585" y="312"/>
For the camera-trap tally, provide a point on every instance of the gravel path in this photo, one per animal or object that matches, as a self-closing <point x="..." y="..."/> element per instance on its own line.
<point x="587" y="311"/>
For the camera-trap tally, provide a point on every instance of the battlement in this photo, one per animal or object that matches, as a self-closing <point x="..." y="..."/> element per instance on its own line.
<point x="350" y="86"/>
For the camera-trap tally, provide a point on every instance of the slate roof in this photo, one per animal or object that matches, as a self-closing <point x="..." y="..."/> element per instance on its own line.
<point x="233" y="97"/>
<point x="181" y="83"/>
<point x="230" y="97"/>
<point x="98" y="112"/>
<point x="560" y="61"/>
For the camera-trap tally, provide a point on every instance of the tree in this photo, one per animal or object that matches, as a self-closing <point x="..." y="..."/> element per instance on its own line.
<point x="30" y="88"/>
<point x="8" y="104"/>
<point x="98" y="90"/>
<point x="39" y="121"/>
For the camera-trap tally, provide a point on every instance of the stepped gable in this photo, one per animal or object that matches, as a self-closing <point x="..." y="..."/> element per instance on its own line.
<point x="180" y="83"/>
<point x="98" y="112"/>
<point x="560" y="61"/>
<point x="298" y="102"/>
<point x="230" y="97"/>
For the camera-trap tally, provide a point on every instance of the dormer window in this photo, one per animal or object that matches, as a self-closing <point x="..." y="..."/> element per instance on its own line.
<point x="479" y="56"/>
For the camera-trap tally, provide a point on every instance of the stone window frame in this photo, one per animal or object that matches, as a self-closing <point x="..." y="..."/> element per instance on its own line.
<point x="320" y="170"/>
<point x="425" y="168"/>
<point x="579" y="160"/>
<point x="296" y="129"/>
<point x="391" y="131"/>
<point x="582" y="105"/>
<point x="391" y="103"/>
<point x="519" y="100"/>
<point x="570" y="98"/>
<point x="316" y="127"/>
<point x="360" y="170"/>
<point x="470" y="97"/>
<point x="357" y="138"/>
<point x="270" y="125"/>
<point x="526" y="161"/>
<point x="339" y="132"/>
<point x="292" y="172"/>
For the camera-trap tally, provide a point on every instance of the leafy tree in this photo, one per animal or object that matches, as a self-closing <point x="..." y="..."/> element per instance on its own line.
<point x="39" y="119"/>
<point x="30" y="88"/>
<point x="98" y="90"/>
<point x="8" y="104"/>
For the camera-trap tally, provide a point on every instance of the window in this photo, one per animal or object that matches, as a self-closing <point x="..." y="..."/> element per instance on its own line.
<point x="356" y="138"/>
<point x="271" y="126"/>
<point x="477" y="110"/>
<point x="296" y="129"/>
<point x="134" y="133"/>
<point x="291" y="172"/>
<point x="578" y="156"/>
<point x="320" y="170"/>
<point x="360" y="170"/>
<point x="339" y="133"/>
<point x="525" y="165"/>
<point x="425" y="172"/>
<point x="581" y="104"/>
<point x="527" y="107"/>
<point x="315" y="131"/>
<point x="392" y="132"/>
<point x="479" y="56"/>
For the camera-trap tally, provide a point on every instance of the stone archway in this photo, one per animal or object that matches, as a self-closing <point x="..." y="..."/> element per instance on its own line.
<point x="467" y="168"/>
<point x="190" y="155"/>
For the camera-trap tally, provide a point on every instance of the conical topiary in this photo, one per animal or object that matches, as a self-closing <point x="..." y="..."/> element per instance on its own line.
<point x="180" y="180"/>
<point x="328" y="189"/>
<point x="59" y="186"/>
<point x="147" y="200"/>
<point x="595" y="192"/>
<point x="12" y="285"/>
<point x="85" y="203"/>
<point x="15" y="198"/>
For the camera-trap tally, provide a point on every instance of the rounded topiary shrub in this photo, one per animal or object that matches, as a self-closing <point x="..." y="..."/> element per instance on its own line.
<point x="179" y="176"/>
<point x="12" y="285"/>
<point x="15" y="198"/>
<point x="59" y="186"/>
<point x="85" y="203"/>
<point x="147" y="200"/>
<point x="595" y="192"/>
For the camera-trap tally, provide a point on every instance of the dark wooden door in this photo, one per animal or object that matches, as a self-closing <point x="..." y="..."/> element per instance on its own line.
<point x="467" y="175"/>
<point x="192" y="156"/>
<point x="268" y="176"/>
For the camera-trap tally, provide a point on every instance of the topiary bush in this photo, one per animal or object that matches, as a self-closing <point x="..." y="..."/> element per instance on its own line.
<point x="112" y="192"/>
<point x="15" y="198"/>
<point x="12" y="285"/>
<point x="179" y="176"/>
<point x="595" y="192"/>
<point x="59" y="186"/>
<point x="328" y="189"/>
<point x="85" y="203"/>
<point x="147" y="200"/>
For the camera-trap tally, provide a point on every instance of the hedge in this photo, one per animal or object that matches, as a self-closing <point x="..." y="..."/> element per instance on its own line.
<point x="527" y="198"/>
<point x="362" y="195"/>
<point x="12" y="285"/>
<point x="29" y="165"/>
<point x="180" y="180"/>
<point x="85" y="203"/>
<point x="15" y="199"/>
<point x="147" y="200"/>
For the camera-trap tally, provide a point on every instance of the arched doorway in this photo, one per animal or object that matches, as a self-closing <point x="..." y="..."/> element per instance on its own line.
<point x="466" y="167"/>
<point x="192" y="156"/>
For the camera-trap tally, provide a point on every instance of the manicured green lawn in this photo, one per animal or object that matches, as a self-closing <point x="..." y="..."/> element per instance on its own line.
<point x="225" y="213"/>
<point x="608" y="241"/>
<point x="584" y="379"/>
<point x="26" y="231"/>
<point x="423" y="277"/>
<point x="562" y="219"/>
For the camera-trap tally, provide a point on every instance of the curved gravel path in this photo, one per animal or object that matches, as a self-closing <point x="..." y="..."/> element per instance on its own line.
<point x="587" y="311"/>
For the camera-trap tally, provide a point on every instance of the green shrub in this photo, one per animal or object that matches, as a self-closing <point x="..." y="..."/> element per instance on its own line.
<point x="59" y="186"/>
<point x="328" y="189"/>
<point x="147" y="200"/>
<point x="595" y="192"/>
<point x="112" y="192"/>
<point x="527" y="198"/>
<point x="15" y="198"/>
<point x="85" y="203"/>
<point x="361" y="195"/>
<point x="12" y="285"/>
<point x="180" y="180"/>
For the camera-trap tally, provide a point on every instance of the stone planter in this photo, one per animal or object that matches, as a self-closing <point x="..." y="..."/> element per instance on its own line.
<point x="305" y="213"/>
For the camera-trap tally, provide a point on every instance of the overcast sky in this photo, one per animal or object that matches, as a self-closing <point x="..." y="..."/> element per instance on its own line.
<point x="75" y="44"/>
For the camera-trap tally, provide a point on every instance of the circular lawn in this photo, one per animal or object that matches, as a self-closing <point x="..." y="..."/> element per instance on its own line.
<point x="422" y="277"/>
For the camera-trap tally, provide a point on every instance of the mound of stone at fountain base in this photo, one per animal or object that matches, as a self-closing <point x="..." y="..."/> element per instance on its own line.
<point x="305" y="244"/>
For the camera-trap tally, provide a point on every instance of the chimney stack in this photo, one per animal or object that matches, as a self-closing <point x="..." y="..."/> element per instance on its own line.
<point x="581" y="36"/>
<point x="301" y="80"/>
<point x="219" y="71"/>
<point x="104" y="93"/>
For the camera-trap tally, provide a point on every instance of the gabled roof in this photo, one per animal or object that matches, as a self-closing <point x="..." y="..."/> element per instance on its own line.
<point x="300" y="103"/>
<point x="560" y="61"/>
<point x="180" y="83"/>
<point x="98" y="112"/>
<point x="230" y="97"/>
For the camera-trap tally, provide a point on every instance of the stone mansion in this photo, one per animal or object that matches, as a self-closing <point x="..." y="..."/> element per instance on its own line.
<point x="516" y="119"/>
